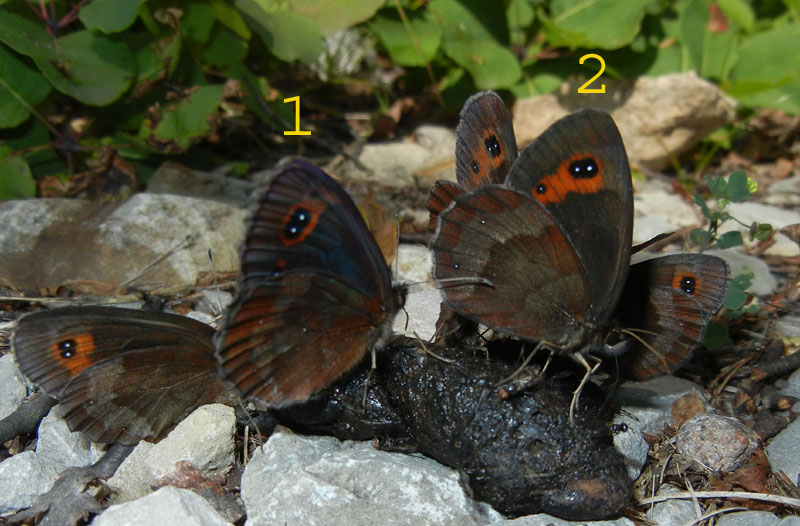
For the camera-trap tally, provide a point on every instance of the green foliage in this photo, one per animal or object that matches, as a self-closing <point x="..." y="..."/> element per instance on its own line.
<point x="16" y="180"/>
<point x="737" y="188"/>
<point x="145" y="76"/>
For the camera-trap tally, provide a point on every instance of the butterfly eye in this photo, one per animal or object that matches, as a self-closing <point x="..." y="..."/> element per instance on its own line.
<point x="688" y="285"/>
<point x="66" y="348"/>
<point x="297" y="224"/>
<point x="492" y="146"/>
<point x="585" y="168"/>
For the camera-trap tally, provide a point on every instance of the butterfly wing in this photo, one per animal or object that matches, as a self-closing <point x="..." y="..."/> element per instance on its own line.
<point x="578" y="170"/>
<point x="501" y="259"/>
<point x="314" y="291"/>
<point x="671" y="299"/>
<point x="120" y="375"/>
<point x="485" y="143"/>
<point x="485" y="150"/>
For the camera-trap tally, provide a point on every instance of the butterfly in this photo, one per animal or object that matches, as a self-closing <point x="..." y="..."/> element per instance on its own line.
<point x="314" y="292"/>
<point x="120" y="375"/>
<point x="545" y="255"/>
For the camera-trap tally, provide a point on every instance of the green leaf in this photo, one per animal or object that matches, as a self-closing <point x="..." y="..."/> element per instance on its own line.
<point x="701" y="203"/>
<point x="399" y="43"/>
<point x="740" y="187"/>
<point x="730" y="239"/>
<point x="603" y="24"/>
<point x="90" y="68"/>
<point x="332" y="17"/>
<point x="230" y="18"/>
<point x="710" y="53"/>
<point x="767" y="78"/>
<point x="110" y="16"/>
<point x="472" y="44"/>
<point x="520" y="14"/>
<point x="21" y="88"/>
<point x="470" y="17"/>
<point x="700" y="237"/>
<point x="718" y="186"/>
<point x="739" y="11"/>
<point x="16" y="180"/>
<point x="225" y="49"/>
<point x="157" y="60"/>
<point x="736" y="296"/>
<point x="760" y="231"/>
<point x="189" y="118"/>
<point x="491" y="66"/>
<point x="716" y="336"/>
<point x="197" y="21"/>
<point x="289" y="35"/>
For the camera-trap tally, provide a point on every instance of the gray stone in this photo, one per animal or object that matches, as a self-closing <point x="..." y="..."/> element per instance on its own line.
<point x="47" y="243"/>
<point x="650" y="402"/>
<point x="658" y="209"/>
<point x="764" y="283"/>
<point x="169" y="506"/>
<point x="297" y="479"/>
<point x="423" y="300"/>
<point x="29" y="474"/>
<point x="391" y="164"/>
<point x="631" y="444"/>
<point x="548" y="520"/>
<point x="788" y="327"/>
<point x="173" y="178"/>
<point x="717" y="443"/>
<point x="782" y="451"/>
<point x="792" y="387"/>
<point x="659" y="117"/>
<point x="761" y="518"/>
<point x="204" y="439"/>
<point x="672" y="512"/>
<point x="749" y="212"/>
<point x="14" y="390"/>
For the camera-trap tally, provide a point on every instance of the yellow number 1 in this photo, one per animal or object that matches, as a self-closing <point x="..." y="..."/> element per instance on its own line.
<point x="297" y="130"/>
<point x="602" y="88"/>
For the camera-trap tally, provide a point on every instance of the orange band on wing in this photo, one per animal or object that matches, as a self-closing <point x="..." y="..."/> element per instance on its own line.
<point x="74" y="353"/>
<point x="554" y="188"/>
<point x="300" y="221"/>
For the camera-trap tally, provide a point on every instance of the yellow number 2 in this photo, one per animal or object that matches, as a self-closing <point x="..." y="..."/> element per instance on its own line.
<point x="602" y="88"/>
<point x="297" y="130"/>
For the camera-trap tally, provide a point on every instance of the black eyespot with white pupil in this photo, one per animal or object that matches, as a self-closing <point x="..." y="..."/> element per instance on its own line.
<point x="475" y="166"/>
<point x="67" y="348"/>
<point x="541" y="188"/>
<point x="688" y="284"/>
<point x="585" y="168"/>
<point x="492" y="146"/>
<point x="297" y="223"/>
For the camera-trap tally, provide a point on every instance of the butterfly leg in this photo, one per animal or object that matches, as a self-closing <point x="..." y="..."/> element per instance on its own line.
<point x="578" y="357"/>
<point x="526" y="362"/>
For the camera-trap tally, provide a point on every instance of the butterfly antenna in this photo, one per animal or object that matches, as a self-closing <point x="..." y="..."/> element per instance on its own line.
<point x="186" y="243"/>
<point x="633" y="334"/>
<point x="214" y="281"/>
